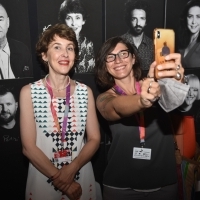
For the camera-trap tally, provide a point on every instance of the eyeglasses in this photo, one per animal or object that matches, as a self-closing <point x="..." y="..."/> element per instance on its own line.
<point x="122" y="55"/>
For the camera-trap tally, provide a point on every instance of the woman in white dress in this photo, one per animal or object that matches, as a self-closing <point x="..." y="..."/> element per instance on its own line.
<point x="59" y="127"/>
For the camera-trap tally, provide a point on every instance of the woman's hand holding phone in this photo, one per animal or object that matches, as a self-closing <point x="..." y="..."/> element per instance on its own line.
<point x="163" y="46"/>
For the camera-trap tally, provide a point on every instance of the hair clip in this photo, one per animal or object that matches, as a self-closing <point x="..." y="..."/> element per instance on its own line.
<point x="46" y="27"/>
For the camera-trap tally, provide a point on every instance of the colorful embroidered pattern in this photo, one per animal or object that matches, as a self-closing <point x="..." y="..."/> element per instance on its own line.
<point x="49" y="140"/>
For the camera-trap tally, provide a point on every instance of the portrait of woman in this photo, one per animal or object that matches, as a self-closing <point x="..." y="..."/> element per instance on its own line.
<point x="189" y="38"/>
<point x="74" y="15"/>
<point x="193" y="93"/>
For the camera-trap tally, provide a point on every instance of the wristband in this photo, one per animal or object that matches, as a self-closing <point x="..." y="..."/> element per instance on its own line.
<point x="52" y="178"/>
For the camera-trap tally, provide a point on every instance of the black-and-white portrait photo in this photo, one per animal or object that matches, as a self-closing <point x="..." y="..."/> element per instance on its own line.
<point x="74" y="15"/>
<point x="137" y="16"/>
<point x="84" y="17"/>
<point x="135" y="20"/>
<point x="10" y="140"/>
<point x="189" y="37"/>
<point x="15" y="56"/>
<point x="193" y="93"/>
<point x="8" y="107"/>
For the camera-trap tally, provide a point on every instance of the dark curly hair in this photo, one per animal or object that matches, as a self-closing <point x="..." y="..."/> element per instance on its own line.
<point x="61" y="30"/>
<point x="184" y="32"/>
<point x="4" y="90"/>
<point x="130" y="5"/>
<point x="72" y="6"/>
<point x="103" y="78"/>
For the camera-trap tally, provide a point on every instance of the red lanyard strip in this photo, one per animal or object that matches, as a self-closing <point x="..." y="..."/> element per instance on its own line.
<point x="53" y="111"/>
<point x="140" y="117"/>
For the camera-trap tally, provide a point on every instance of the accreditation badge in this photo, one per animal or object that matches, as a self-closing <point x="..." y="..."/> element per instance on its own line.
<point x="141" y="153"/>
<point x="63" y="156"/>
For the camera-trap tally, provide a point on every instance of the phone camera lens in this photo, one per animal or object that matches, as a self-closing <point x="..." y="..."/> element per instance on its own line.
<point x="158" y="34"/>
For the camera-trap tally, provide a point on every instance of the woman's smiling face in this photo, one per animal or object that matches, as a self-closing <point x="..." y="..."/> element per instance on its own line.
<point x="191" y="96"/>
<point x="193" y="19"/>
<point x="60" y="55"/>
<point x="75" y="21"/>
<point x="120" y="67"/>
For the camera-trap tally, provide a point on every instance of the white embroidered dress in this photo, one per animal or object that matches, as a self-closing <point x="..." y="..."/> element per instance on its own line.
<point x="49" y="141"/>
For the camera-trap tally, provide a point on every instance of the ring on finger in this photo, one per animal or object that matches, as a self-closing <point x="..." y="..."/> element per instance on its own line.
<point x="148" y="76"/>
<point x="178" y="76"/>
<point x="150" y="83"/>
<point x="178" y="67"/>
<point x="148" y="90"/>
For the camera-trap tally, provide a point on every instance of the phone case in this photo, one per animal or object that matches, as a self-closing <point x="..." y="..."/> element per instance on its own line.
<point x="163" y="45"/>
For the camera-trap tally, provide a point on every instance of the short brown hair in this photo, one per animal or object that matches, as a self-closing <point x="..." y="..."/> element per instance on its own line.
<point x="103" y="78"/>
<point x="61" y="30"/>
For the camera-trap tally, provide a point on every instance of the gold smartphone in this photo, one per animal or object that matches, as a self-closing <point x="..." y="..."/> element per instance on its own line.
<point x="164" y="42"/>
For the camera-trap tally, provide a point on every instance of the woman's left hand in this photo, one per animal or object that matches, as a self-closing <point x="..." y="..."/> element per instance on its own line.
<point x="172" y="69"/>
<point x="66" y="177"/>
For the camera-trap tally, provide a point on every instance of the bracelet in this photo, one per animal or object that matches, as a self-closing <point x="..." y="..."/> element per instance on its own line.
<point x="52" y="178"/>
<point x="149" y="76"/>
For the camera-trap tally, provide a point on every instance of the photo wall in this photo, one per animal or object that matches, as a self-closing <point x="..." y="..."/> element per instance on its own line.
<point x="14" y="165"/>
<point x="116" y="23"/>
<point x="161" y="14"/>
<point x="88" y="29"/>
<point x="15" y="40"/>
<point x="16" y="70"/>
<point x="104" y="19"/>
<point x="121" y="16"/>
<point x="183" y="21"/>
<point x="19" y="20"/>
